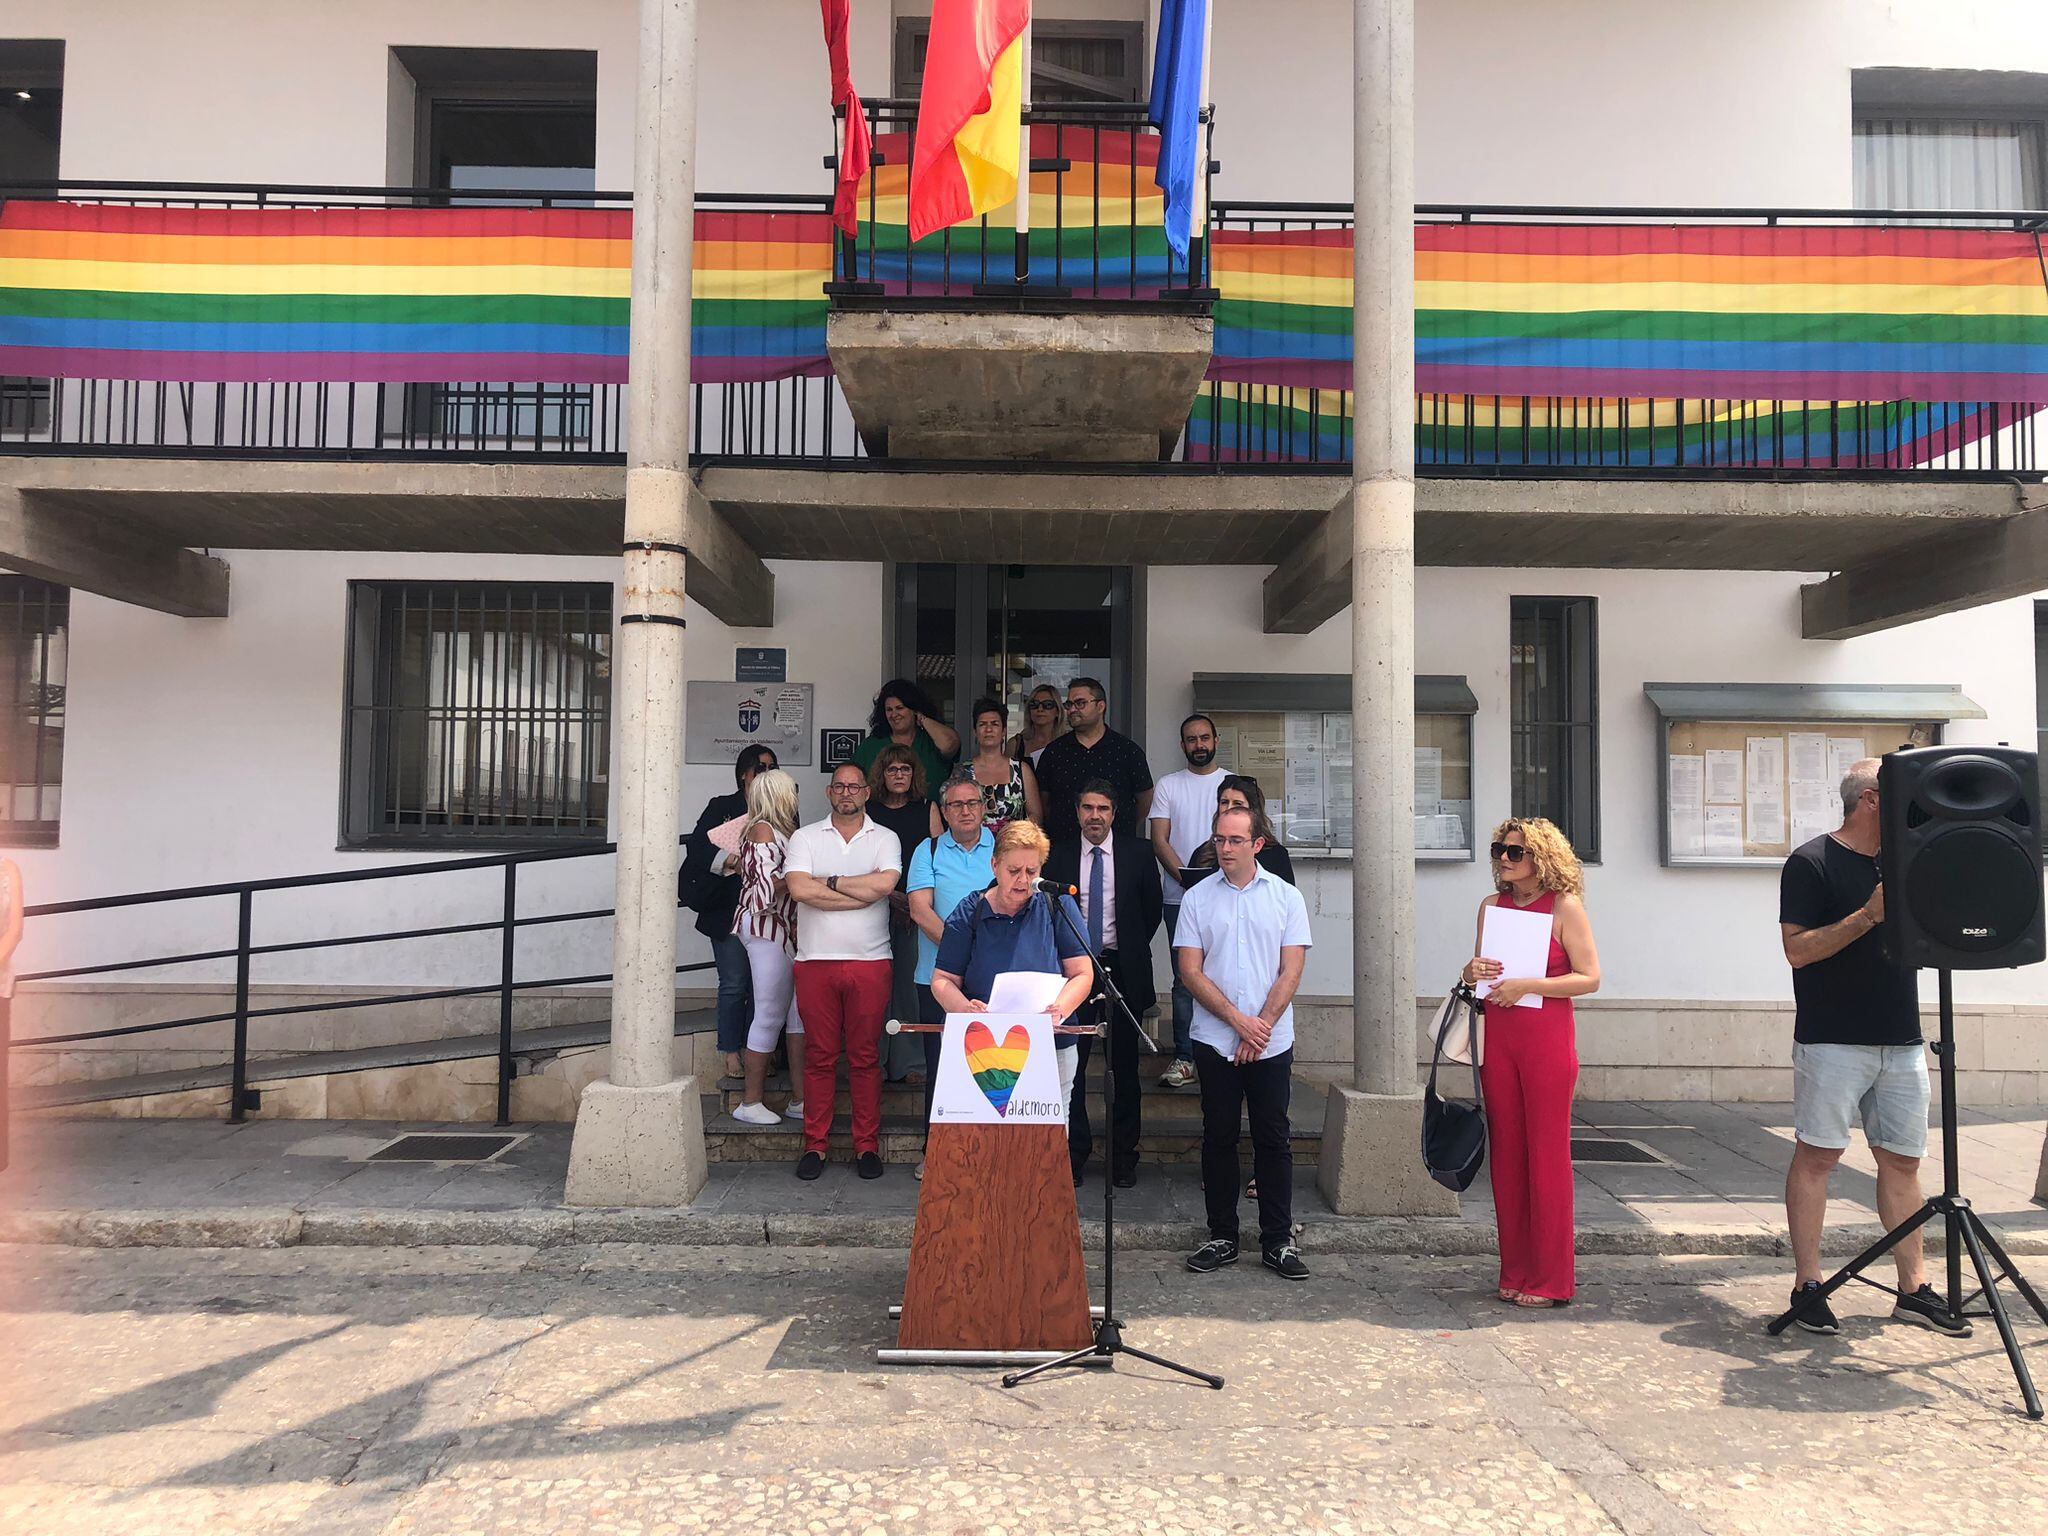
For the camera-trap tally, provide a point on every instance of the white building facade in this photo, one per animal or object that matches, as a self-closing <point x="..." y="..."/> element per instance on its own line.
<point x="198" y="750"/>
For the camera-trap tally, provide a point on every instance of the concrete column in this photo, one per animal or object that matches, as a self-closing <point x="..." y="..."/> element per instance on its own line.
<point x="640" y="1135"/>
<point x="1370" y="1161"/>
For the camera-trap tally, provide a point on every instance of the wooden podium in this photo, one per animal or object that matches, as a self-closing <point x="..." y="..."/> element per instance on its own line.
<point x="995" y="1260"/>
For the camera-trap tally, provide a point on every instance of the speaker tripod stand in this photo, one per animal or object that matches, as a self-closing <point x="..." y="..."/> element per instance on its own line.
<point x="1964" y="1230"/>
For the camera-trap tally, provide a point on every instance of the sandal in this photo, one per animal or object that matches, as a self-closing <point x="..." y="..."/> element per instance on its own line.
<point x="1540" y="1303"/>
<point x="1251" y="1189"/>
<point x="1508" y="1295"/>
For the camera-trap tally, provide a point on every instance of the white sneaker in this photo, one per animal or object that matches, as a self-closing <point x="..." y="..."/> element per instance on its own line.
<point x="795" y="1110"/>
<point x="919" y="1175"/>
<point x="1180" y="1075"/>
<point x="756" y="1114"/>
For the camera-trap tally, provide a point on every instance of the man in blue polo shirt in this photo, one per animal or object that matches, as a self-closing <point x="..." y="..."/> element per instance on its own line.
<point x="944" y="871"/>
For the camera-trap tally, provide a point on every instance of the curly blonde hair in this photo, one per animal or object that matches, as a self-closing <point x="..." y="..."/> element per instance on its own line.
<point x="1024" y="836"/>
<point x="1557" y="867"/>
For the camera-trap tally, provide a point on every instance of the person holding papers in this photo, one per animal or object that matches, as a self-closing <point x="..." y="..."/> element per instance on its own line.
<point x="1010" y="927"/>
<point x="1529" y="1061"/>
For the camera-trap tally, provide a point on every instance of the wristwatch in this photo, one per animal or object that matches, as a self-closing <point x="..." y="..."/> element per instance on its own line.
<point x="832" y="882"/>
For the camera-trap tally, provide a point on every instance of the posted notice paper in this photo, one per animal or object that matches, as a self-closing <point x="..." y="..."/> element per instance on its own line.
<point x="1724" y="776"/>
<point x="1520" y="941"/>
<point x="1844" y="752"/>
<point x="998" y="1069"/>
<point x="1766" y="766"/>
<point x="1809" y="754"/>
<point x="1814" y="811"/>
<point x="1687" y="801"/>
<point x="1723" y="831"/>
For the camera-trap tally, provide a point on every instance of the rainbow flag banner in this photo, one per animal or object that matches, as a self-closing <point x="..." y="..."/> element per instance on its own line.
<point x="389" y="294"/>
<point x="1098" y="226"/>
<point x="1643" y="344"/>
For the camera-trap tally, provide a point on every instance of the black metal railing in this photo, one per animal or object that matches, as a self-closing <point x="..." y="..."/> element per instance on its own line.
<point x="1254" y="422"/>
<point x="506" y="923"/>
<point x="1096" y="245"/>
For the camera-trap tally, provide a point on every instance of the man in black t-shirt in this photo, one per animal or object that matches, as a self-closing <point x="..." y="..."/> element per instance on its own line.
<point x="1090" y="751"/>
<point x="1857" y="1054"/>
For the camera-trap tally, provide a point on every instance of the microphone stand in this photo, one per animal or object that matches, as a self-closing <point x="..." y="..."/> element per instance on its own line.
<point x="1109" y="1330"/>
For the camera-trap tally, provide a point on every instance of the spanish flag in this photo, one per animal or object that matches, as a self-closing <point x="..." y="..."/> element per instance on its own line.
<point x="970" y="114"/>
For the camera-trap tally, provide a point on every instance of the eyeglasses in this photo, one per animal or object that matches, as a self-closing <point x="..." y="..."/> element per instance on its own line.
<point x="963" y="805"/>
<point x="1508" y="853"/>
<point x="846" y="789"/>
<point x="1235" y="842"/>
<point x="1081" y="703"/>
<point x="897" y="768"/>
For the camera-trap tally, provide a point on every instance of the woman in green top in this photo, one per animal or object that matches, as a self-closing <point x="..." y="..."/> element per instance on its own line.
<point x="905" y="715"/>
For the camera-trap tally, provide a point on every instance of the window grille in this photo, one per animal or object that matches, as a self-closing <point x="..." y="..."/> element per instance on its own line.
<point x="35" y="627"/>
<point x="478" y="712"/>
<point x="1553" y="686"/>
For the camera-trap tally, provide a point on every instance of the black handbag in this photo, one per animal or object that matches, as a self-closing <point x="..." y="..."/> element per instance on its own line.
<point x="1453" y="1132"/>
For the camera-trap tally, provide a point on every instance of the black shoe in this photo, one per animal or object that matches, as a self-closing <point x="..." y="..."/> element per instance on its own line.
<point x="1077" y="1178"/>
<point x="1927" y="1310"/>
<point x="1818" y="1317"/>
<point x="1126" y="1175"/>
<point x="1285" y="1262"/>
<point x="810" y="1165"/>
<point x="868" y="1165"/>
<point x="1213" y="1255"/>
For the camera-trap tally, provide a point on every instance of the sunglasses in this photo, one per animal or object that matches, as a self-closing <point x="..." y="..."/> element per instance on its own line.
<point x="1044" y="704"/>
<point x="1508" y="853"/>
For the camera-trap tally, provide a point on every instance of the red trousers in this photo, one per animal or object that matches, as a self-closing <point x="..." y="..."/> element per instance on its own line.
<point x="1530" y="1067"/>
<point x="843" y="1003"/>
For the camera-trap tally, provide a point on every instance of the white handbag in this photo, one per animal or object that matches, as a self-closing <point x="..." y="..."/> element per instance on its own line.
<point x="1456" y="1030"/>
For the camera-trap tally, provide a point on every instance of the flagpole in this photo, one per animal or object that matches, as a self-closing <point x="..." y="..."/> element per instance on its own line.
<point x="1023" y="254"/>
<point x="1198" y="204"/>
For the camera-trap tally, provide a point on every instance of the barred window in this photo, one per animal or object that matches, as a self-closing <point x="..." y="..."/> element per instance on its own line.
<point x="1553" y="691"/>
<point x="35" y="626"/>
<point x="477" y="713"/>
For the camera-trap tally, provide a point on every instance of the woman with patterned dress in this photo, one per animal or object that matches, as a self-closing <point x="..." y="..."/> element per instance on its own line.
<point x="766" y="923"/>
<point x="1529" y="1062"/>
<point x="1009" y="789"/>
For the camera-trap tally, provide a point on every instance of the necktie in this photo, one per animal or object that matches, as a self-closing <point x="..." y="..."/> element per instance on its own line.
<point x="1095" y="901"/>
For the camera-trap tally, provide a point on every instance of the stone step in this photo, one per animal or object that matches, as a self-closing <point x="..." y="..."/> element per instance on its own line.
<point x="1169" y="1134"/>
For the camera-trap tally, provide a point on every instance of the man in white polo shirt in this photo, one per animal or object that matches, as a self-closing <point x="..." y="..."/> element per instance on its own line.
<point x="841" y="871"/>
<point x="1240" y="948"/>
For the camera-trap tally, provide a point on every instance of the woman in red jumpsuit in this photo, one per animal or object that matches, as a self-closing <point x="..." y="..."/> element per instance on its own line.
<point x="1530" y="1063"/>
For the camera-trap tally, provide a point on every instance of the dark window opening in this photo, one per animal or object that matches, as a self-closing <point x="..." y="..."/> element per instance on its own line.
<point x="477" y="713"/>
<point x="1070" y="60"/>
<point x="35" y="630"/>
<point x="1553" y="689"/>
<point x="31" y="132"/>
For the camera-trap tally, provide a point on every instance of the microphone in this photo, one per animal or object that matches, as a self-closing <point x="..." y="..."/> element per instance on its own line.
<point x="1055" y="888"/>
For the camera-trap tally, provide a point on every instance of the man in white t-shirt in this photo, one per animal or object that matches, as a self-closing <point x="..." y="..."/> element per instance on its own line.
<point x="841" y="871"/>
<point x="1183" y="806"/>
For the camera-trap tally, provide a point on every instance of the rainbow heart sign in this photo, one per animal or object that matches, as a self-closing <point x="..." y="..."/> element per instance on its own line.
<point x="997" y="1068"/>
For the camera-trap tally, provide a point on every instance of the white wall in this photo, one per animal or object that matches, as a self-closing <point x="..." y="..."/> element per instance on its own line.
<point x="204" y="751"/>
<point x="1663" y="933"/>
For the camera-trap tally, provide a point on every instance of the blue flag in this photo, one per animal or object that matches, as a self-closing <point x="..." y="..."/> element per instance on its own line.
<point x="1176" y="112"/>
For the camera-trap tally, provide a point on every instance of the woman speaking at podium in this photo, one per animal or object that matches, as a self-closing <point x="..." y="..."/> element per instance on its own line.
<point x="1011" y="927"/>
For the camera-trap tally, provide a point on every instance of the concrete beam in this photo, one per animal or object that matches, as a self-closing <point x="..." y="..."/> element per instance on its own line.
<point x="1649" y="525"/>
<point x="1964" y="569"/>
<point x="94" y="555"/>
<point x="723" y="572"/>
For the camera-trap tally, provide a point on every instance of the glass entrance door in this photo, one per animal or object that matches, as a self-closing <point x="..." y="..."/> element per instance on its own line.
<point x="964" y="631"/>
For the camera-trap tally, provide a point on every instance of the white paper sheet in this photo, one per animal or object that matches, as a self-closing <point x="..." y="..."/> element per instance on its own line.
<point x="1844" y="752"/>
<point x="1520" y="941"/>
<point x="1766" y="765"/>
<point x="1724" y="776"/>
<point x="1722" y="831"/>
<point x="725" y="837"/>
<point x="1686" y="800"/>
<point x="1766" y="814"/>
<point x="1024" y="991"/>
<point x="1429" y="775"/>
<point x="1304" y="732"/>
<point x="1809" y="757"/>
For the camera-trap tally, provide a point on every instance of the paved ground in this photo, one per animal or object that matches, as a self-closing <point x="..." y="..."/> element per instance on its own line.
<point x="1718" y="1190"/>
<point x="628" y="1389"/>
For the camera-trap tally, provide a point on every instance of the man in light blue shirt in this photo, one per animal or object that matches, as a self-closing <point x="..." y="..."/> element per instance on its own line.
<point x="1239" y="949"/>
<point x="944" y="871"/>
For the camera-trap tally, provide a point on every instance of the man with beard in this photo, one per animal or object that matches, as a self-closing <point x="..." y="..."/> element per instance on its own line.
<point x="1183" y="810"/>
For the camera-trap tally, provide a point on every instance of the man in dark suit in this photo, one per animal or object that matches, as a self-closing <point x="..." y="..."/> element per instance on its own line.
<point x="1118" y="881"/>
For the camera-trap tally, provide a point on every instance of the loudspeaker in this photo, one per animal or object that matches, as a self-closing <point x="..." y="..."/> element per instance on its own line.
<point x="1961" y="858"/>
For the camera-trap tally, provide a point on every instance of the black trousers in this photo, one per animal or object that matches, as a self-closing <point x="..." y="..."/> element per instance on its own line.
<point x="1125" y="1125"/>
<point x="929" y="1012"/>
<point x="1258" y="1090"/>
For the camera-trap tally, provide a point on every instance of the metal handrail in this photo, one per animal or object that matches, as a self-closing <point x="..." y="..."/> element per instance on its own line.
<point x="244" y="951"/>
